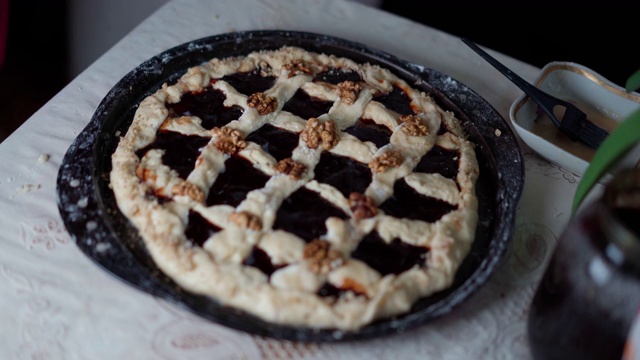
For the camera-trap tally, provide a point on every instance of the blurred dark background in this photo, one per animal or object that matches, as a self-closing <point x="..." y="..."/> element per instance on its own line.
<point x="35" y="58"/>
<point x="601" y="35"/>
<point x="43" y="36"/>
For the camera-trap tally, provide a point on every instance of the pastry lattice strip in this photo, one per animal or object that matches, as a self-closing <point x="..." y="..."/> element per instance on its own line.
<point x="250" y="121"/>
<point x="298" y="263"/>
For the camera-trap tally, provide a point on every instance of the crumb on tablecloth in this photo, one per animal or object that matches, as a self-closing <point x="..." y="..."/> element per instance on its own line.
<point x="43" y="158"/>
<point x="28" y="188"/>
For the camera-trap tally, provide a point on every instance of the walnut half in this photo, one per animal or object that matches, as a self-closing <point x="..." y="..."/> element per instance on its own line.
<point x="391" y="158"/>
<point x="362" y="206"/>
<point x="295" y="170"/>
<point x="316" y="133"/>
<point x="263" y="103"/>
<point x="246" y="220"/>
<point x="349" y="91"/>
<point x="189" y="189"/>
<point x="321" y="258"/>
<point x="297" y="67"/>
<point x="229" y="141"/>
<point x="413" y="125"/>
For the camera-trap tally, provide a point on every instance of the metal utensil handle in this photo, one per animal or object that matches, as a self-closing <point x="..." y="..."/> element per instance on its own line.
<point x="546" y="101"/>
<point x="520" y="82"/>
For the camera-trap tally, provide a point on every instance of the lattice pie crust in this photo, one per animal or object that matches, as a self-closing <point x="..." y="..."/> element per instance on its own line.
<point x="303" y="188"/>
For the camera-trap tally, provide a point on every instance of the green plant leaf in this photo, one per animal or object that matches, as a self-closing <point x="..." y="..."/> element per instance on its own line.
<point x="633" y="82"/>
<point x="612" y="149"/>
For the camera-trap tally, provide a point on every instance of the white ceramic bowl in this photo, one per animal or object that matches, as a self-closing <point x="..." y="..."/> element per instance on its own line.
<point x="605" y="103"/>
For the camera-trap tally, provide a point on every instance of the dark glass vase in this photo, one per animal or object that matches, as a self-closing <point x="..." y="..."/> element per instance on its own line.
<point x="590" y="292"/>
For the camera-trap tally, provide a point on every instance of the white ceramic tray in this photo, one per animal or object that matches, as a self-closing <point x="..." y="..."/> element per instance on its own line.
<point x="605" y="103"/>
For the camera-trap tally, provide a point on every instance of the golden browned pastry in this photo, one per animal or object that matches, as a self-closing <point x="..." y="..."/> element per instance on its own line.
<point x="304" y="188"/>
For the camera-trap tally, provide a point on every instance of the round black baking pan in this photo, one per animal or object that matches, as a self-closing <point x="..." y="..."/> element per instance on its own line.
<point x="90" y="213"/>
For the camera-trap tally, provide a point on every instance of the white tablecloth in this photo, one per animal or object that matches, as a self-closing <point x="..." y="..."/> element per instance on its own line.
<point x="55" y="303"/>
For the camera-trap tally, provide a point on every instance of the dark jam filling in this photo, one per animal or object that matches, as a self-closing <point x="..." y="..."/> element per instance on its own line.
<point x="260" y="260"/>
<point x="442" y="129"/>
<point x="343" y="173"/>
<point x="335" y="76"/>
<point x="441" y="161"/>
<point x="208" y="105"/>
<point x="180" y="151"/>
<point x="304" y="213"/>
<point x="392" y="258"/>
<point x="232" y="185"/>
<point x="397" y="100"/>
<point x="329" y="290"/>
<point x="304" y="106"/>
<point x="368" y="130"/>
<point x="408" y="203"/>
<point x="277" y="142"/>
<point x="248" y="83"/>
<point x="199" y="229"/>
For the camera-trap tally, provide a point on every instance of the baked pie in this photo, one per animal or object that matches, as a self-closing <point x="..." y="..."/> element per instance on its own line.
<point x="304" y="188"/>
